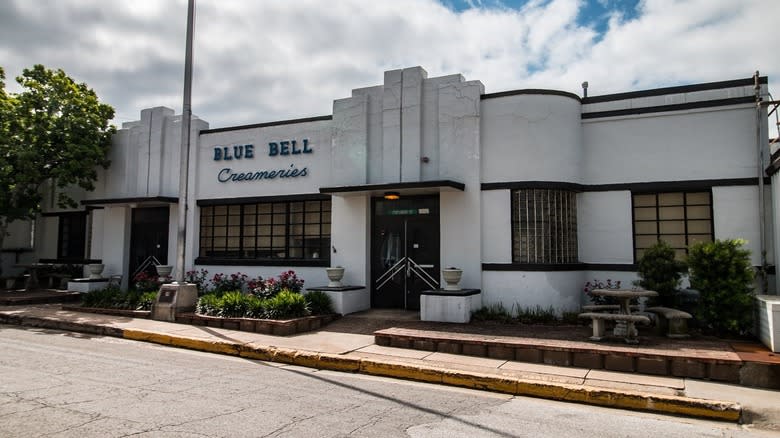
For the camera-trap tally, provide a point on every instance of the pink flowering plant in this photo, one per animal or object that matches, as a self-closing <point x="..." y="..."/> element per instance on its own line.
<point x="225" y="283"/>
<point x="145" y="282"/>
<point x="270" y="287"/>
<point x="199" y="278"/>
<point x="596" y="284"/>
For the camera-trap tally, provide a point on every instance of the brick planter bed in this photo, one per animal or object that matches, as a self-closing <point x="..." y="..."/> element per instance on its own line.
<point x="114" y="312"/>
<point x="264" y="326"/>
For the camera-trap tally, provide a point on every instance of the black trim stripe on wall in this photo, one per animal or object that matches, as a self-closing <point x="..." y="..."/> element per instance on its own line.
<point x="137" y="200"/>
<point x="217" y="261"/>
<point x="530" y="91"/>
<point x="534" y="267"/>
<point x="267" y="124"/>
<point x="636" y="187"/>
<point x="667" y="108"/>
<point x="528" y="267"/>
<point x="674" y="90"/>
<point x="256" y="199"/>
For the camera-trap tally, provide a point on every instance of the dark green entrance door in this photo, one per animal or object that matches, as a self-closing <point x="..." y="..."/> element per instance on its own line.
<point x="404" y="251"/>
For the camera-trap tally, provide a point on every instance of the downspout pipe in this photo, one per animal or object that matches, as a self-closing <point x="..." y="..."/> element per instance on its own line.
<point x="763" y="284"/>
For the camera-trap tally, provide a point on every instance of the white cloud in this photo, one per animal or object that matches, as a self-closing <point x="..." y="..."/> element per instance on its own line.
<point x="270" y="60"/>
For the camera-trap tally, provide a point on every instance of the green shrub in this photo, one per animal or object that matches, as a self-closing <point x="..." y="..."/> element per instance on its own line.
<point x="660" y="271"/>
<point x="255" y="307"/>
<point x="319" y="303"/>
<point x="103" y="298"/>
<point x="722" y="273"/>
<point x="536" y="315"/>
<point x="208" y="304"/>
<point x="285" y="305"/>
<point x="146" y="300"/>
<point x="493" y="312"/>
<point x="233" y="304"/>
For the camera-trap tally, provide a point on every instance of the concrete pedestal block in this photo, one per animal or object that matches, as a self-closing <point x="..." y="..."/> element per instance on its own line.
<point x="174" y="298"/>
<point x="346" y="299"/>
<point x="768" y="321"/>
<point x="85" y="285"/>
<point x="448" y="305"/>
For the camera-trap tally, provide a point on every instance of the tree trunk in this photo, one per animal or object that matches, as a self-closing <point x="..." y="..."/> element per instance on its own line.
<point x="3" y="232"/>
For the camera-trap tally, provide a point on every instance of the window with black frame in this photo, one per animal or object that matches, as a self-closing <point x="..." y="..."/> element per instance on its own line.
<point x="679" y="218"/>
<point x="544" y="226"/>
<point x="72" y="236"/>
<point x="272" y="231"/>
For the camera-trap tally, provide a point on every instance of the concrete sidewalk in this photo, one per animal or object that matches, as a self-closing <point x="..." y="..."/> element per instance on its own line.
<point x="358" y="353"/>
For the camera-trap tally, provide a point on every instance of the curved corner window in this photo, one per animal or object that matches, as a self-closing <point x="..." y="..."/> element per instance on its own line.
<point x="544" y="226"/>
<point x="272" y="231"/>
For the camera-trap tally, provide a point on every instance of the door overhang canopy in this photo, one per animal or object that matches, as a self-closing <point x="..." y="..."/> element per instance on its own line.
<point x="143" y="200"/>
<point x="402" y="188"/>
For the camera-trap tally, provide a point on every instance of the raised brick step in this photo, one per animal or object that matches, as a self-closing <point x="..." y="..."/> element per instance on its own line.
<point x="716" y="362"/>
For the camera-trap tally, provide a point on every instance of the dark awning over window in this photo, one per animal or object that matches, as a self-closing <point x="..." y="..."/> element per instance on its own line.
<point x="403" y="188"/>
<point x="148" y="200"/>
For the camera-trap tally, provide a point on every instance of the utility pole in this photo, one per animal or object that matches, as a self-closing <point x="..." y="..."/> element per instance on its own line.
<point x="186" y="120"/>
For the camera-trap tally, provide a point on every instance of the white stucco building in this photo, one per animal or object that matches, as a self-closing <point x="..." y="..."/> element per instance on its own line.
<point x="531" y="192"/>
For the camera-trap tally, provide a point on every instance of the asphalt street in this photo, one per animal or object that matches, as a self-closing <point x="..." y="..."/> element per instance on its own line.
<point x="64" y="384"/>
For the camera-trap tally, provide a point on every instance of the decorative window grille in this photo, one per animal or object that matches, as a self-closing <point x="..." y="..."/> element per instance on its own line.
<point x="286" y="230"/>
<point x="680" y="218"/>
<point x="544" y="225"/>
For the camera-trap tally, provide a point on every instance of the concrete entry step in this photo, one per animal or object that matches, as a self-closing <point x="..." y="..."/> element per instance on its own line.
<point x="713" y="361"/>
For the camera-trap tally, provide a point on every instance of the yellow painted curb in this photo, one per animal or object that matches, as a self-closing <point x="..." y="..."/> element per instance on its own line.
<point x="400" y="370"/>
<point x="710" y="409"/>
<point x="139" y="335"/>
<point x="336" y="362"/>
<point x="307" y="359"/>
<point x="480" y="381"/>
<point x="256" y="353"/>
<point x="670" y="404"/>
<point x="177" y="341"/>
<point x="284" y="355"/>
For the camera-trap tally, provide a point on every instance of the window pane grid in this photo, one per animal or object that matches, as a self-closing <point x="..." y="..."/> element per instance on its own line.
<point x="544" y="224"/>
<point x="270" y="230"/>
<point x="681" y="219"/>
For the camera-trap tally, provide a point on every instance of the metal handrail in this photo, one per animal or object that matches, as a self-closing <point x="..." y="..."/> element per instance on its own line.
<point x="390" y="273"/>
<point x="419" y="270"/>
<point x="145" y="264"/>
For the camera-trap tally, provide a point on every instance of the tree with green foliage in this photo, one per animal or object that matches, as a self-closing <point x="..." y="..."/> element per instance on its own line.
<point x="659" y="270"/>
<point x="55" y="131"/>
<point x="722" y="273"/>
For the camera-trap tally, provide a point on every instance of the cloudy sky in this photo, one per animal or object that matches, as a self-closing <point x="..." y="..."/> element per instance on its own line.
<point x="259" y="61"/>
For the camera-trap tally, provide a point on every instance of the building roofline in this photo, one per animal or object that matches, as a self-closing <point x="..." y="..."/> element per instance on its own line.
<point x="266" y="124"/>
<point x="674" y="90"/>
<point x="532" y="91"/>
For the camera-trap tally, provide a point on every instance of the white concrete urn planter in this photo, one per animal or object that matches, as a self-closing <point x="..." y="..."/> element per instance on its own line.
<point x="335" y="274"/>
<point x="164" y="271"/>
<point x="452" y="278"/>
<point x="95" y="270"/>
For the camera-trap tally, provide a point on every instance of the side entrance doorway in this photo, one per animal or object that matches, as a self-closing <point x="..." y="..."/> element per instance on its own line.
<point x="148" y="240"/>
<point x="404" y="251"/>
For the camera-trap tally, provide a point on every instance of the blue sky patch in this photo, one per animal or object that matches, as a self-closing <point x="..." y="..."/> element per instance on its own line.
<point x="594" y="13"/>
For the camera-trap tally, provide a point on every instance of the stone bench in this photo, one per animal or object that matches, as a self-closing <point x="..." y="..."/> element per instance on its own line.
<point x="605" y="307"/>
<point x="674" y="322"/>
<point x="600" y="318"/>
